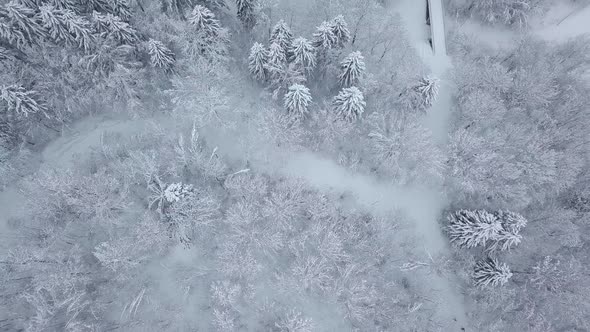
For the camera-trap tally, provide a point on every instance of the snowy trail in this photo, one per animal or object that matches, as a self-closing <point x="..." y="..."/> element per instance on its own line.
<point x="62" y="152"/>
<point x="423" y="205"/>
<point x="451" y="309"/>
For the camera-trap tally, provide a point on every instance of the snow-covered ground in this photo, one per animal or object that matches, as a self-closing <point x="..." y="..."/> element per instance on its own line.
<point x="61" y="153"/>
<point x="562" y="21"/>
<point x="422" y="205"/>
<point x="427" y="203"/>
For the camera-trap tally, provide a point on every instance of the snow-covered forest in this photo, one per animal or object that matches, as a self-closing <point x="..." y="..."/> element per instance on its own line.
<point x="294" y="166"/>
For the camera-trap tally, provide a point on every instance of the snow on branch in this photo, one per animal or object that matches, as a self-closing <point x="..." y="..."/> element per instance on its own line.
<point x="490" y="272"/>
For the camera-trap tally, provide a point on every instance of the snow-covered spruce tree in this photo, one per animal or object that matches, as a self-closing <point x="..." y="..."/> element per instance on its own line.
<point x="349" y="103"/>
<point x="52" y="21"/>
<point x="120" y="8"/>
<point x="302" y="53"/>
<point x="297" y="101"/>
<point x="112" y="27"/>
<point x="340" y="31"/>
<point x="511" y="221"/>
<point x="215" y="4"/>
<point x="89" y="6"/>
<point x="63" y="25"/>
<point x="160" y="55"/>
<point x="427" y="87"/>
<point x="419" y="96"/>
<point x="324" y="37"/>
<point x="211" y="39"/>
<point x="490" y="272"/>
<point x="277" y="62"/>
<point x="509" y="236"/>
<point x="204" y="20"/>
<point x="20" y="26"/>
<point x="469" y="229"/>
<point x="281" y="34"/>
<point x="257" y="61"/>
<point x="352" y="69"/>
<point x="79" y="28"/>
<point x="246" y="13"/>
<point x="175" y="7"/>
<point x="22" y="102"/>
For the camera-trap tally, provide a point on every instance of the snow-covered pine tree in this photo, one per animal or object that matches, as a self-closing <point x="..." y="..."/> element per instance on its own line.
<point x="276" y="64"/>
<point x="246" y="13"/>
<point x="324" y="37"/>
<point x="21" y="102"/>
<point x="257" y="61"/>
<point x="204" y="20"/>
<point x="509" y="236"/>
<point x="352" y="69"/>
<point x="121" y="9"/>
<point x="176" y="7"/>
<point x="111" y="26"/>
<point x="340" y="30"/>
<point x="490" y="272"/>
<point x="302" y="54"/>
<point x="427" y="87"/>
<point x="63" y="25"/>
<point x="469" y="229"/>
<point x="102" y="6"/>
<point x="160" y="55"/>
<point x="504" y="241"/>
<point x="214" y="4"/>
<point x="349" y="103"/>
<point x="211" y="39"/>
<point x="281" y="34"/>
<point x="64" y="4"/>
<point x="79" y="28"/>
<point x="52" y="21"/>
<point x="511" y="221"/>
<point x="5" y="54"/>
<point x="21" y="27"/>
<point x="297" y="101"/>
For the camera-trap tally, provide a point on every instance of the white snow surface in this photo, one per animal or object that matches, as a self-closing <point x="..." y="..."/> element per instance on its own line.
<point x="562" y="21"/>
<point x="423" y="205"/>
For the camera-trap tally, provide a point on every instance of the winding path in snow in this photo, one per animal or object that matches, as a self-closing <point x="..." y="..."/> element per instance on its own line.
<point x="423" y="205"/>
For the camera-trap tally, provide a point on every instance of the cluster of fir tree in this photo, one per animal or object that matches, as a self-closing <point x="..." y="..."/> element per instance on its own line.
<point x="288" y="62"/>
<point x="59" y="57"/>
<point x="498" y="231"/>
